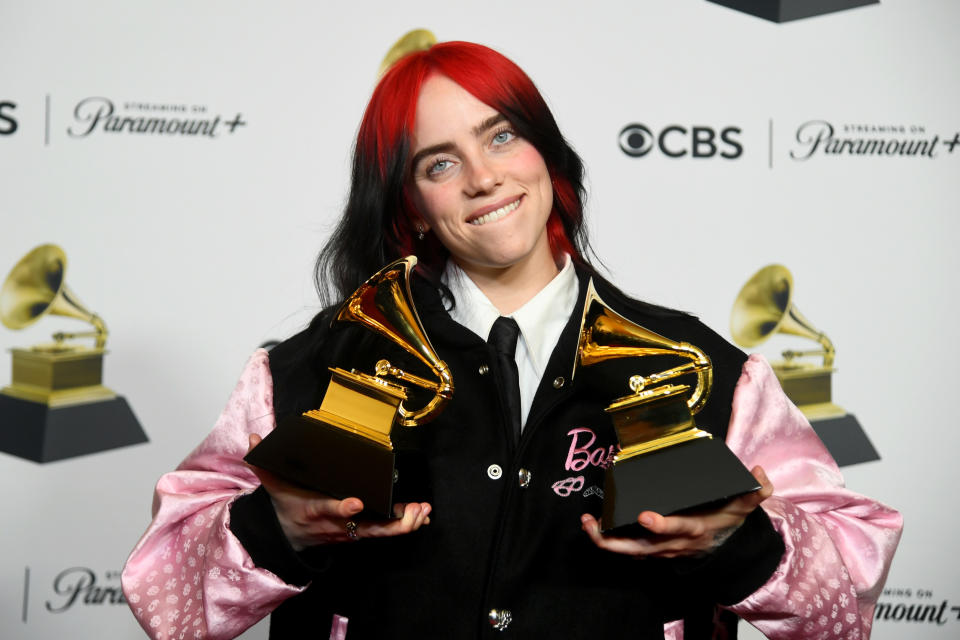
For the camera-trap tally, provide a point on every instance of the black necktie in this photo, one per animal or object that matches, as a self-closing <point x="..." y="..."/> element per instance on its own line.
<point x="503" y="338"/>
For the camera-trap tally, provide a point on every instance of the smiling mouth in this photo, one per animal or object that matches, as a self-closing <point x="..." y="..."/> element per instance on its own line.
<point x="493" y="216"/>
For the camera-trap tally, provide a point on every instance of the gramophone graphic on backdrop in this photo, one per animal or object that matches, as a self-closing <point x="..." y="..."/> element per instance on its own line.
<point x="56" y="406"/>
<point x="765" y="307"/>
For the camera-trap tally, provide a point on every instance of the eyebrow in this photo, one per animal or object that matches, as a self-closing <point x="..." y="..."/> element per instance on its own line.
<point x="477" y="131"/>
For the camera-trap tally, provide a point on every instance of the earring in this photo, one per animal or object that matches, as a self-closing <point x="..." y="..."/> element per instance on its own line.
<point x="420" y="234"/>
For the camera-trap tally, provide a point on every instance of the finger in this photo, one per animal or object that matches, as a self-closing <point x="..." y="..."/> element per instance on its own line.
<point x="424" y="517"/>
<point x="408" y="521"/>
<point x="324" y="508"/>
<point x="686" y="526"/>
<point x="411" y="512"/>
<point x="766" y="486"/>
<point x="628" y="546"/>
<point x="253" y="440"/>
<point x="590" y="525"/>
<point x="346" y="508"/>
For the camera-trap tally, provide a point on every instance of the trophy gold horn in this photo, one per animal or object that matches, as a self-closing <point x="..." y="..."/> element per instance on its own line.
<point x="765" y="306"/>
<point x="605" y="335"/>
<point x="37" y="287"/>
<point x="384" y="305"/>
<point x="344" y="448"/>
<point x="665" y="463"/>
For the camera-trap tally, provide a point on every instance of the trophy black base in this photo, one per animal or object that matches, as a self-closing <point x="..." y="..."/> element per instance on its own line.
<point x="336" y="462"/>
<point x="786" y="10"/>
<point x="35" y="431"/>
<point x="845" y="439"/>
<point x="676" y="478"/>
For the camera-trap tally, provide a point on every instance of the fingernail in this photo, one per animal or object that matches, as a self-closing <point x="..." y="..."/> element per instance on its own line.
<point x="646" y="520"/>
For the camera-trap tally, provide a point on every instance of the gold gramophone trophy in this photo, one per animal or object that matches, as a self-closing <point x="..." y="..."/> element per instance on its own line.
<point x="765" y="307"/>
<point x="665" y="463"/>
<point x="344" y="448"/>
<point x="56" y="405"/>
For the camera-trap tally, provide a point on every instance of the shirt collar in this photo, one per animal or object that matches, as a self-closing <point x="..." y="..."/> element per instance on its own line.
<point x="541" y="319"/>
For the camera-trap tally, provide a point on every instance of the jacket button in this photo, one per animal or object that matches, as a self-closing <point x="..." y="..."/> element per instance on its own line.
<point x="524" y="477"/>
<point x="558" y="382"/>
<point x="500" y="619"/>
<point x="483" y="370"/>
<point x="494" y="472"/>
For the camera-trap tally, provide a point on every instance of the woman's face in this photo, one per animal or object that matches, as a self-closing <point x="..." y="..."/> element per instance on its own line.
<point x="484" y="191"/>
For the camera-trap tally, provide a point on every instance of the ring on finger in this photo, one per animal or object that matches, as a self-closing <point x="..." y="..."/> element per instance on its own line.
<point x="352" y="527"/>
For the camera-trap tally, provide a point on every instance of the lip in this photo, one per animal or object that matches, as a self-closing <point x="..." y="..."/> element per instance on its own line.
<point x="479" y="213"/>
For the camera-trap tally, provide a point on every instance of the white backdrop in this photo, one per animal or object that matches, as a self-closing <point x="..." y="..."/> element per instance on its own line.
<point x="196" y="249"/>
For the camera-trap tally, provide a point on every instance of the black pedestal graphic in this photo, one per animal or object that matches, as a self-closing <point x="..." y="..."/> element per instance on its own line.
<point x="845" y="439"/>
<point x="35" y="431"/>
<point x="786" y="10"/>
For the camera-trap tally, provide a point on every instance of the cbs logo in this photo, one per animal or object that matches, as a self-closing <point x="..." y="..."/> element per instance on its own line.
<point x="8" y="124"/>
<point x="675" y="141"/>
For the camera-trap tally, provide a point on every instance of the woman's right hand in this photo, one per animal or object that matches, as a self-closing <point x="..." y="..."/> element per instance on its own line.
<point x="310" y="518"/>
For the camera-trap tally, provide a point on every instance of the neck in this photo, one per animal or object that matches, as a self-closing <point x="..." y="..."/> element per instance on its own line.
<point x="509" y="288"/>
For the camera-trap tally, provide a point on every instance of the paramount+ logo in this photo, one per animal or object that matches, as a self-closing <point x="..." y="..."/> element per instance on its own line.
<point x="678" y="141"/>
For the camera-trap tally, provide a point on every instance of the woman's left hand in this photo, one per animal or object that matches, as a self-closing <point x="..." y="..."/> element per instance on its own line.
<point x="686" y="535"/>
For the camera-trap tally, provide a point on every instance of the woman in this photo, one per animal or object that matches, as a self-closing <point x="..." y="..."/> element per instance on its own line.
<point x="459" y="161"/>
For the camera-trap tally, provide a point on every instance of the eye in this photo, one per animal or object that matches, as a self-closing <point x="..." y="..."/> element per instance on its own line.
<point x="438" y="166"/>
<point x="503" y="136"/>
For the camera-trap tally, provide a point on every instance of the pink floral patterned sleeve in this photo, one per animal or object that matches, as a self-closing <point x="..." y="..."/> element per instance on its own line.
<point x="838" y="544"/>
<point x="188" y="576"/>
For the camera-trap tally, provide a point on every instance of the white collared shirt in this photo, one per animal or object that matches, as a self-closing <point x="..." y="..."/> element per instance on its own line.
<point x="541" y="320"/>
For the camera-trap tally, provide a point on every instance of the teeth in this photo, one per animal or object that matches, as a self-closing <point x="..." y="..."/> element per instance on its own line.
<point x="496" y="215"/>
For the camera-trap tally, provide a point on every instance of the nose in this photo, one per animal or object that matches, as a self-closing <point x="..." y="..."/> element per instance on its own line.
<point x="483" y="176"/>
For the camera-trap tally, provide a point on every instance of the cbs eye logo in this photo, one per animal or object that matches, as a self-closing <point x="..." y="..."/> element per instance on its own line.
<point x="674" y="141"/>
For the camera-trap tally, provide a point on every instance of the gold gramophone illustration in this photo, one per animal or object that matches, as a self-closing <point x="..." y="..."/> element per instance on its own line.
<point x="56" y="405"/>
<point x="765" y="307"/>
<point x="414" y="40"/>
<point x="344" y="448"/>
<point x="665" y="463"/>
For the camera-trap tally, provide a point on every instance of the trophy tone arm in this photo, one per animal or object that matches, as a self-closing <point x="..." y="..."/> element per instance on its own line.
<point x="699" y="364"/>
<point x="443" y="391"/>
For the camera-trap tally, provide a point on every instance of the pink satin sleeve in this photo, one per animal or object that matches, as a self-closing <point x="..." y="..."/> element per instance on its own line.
<point x="188" y="576"/>
<point x="839" y="544"/>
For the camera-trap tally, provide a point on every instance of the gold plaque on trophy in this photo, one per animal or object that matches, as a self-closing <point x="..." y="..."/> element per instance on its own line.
<point x="344" y="448"/>
<point x="665" y="463"/>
